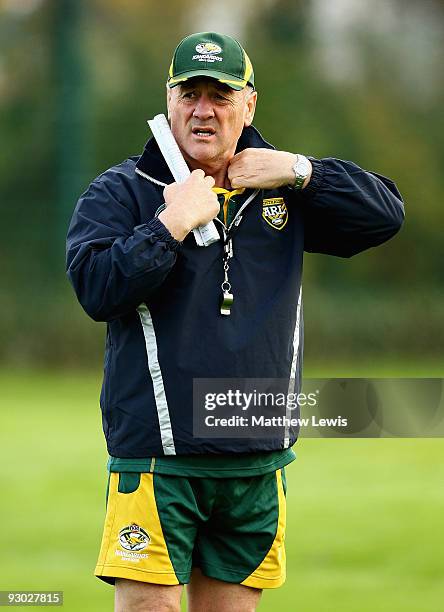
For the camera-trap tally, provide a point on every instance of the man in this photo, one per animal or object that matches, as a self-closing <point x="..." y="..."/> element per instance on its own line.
<point x="207" y="512"/>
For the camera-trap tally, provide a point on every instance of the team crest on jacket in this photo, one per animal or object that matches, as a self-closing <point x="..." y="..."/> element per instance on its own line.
<point x="275" y="212"/>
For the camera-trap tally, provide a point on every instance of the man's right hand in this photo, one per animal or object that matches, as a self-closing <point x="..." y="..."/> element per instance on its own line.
<point x="189" y="204"/>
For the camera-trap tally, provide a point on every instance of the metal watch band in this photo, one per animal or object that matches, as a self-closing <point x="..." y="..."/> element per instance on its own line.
<point x="300" y="177"/>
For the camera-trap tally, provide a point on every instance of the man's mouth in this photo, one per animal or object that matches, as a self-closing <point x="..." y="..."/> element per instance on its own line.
<point x="203" y="132"/>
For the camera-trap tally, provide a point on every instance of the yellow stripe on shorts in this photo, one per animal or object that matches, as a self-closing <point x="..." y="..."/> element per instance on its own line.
<point x="271" y="572"/>
<point x="133" y="545"/>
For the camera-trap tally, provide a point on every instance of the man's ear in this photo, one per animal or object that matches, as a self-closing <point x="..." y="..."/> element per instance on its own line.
<point x="250" y="108"/>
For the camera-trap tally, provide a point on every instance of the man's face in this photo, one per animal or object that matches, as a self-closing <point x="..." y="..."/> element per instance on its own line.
<point x="207" y="119"/>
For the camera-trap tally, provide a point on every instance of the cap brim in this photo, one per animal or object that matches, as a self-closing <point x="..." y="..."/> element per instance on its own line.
<point x="222" y="77"/>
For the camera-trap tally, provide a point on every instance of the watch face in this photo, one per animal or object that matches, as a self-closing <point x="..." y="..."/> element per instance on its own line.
<point x="301" y="167"/>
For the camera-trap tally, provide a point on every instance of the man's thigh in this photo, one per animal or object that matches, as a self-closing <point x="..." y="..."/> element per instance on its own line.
<point x="203" y="594"/>
<point x="209" y="595"/>
<point x="134" y="596"/>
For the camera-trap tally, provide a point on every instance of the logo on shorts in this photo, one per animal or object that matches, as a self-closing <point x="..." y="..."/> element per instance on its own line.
<point x="275" y="212"/>
<point x="133" y="538"/>
<point x="208" y="48"/>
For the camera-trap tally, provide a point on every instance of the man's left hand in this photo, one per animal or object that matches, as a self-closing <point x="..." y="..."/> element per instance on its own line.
<point x="262" y="169"/>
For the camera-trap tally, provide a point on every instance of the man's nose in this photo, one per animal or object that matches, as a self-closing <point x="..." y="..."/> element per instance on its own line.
<point x="203" y="108"/>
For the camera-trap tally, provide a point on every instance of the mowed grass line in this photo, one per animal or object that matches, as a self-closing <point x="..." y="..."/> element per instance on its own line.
<point x="364" y="516"/>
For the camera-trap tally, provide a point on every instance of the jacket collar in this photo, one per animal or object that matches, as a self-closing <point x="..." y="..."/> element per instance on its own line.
<point x="152" y="163"/>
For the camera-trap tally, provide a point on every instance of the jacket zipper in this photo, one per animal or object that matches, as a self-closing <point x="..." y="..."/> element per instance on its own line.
<point x="227" y="295"/>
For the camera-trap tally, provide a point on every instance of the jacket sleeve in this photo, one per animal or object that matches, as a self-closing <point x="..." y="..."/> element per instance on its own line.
<point x="348" y="210"/>
<point x="112" y="263"/>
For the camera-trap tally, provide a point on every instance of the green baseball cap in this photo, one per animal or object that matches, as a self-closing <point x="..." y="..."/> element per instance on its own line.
<point x="212" y="55"/>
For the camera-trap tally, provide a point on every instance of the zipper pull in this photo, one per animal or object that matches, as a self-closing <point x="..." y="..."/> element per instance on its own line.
<point x="228" y="249"/>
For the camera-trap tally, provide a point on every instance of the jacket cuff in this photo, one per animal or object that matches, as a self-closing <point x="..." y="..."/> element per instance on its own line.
<point x="317" y="177"/>
<point x="163" y="234"/>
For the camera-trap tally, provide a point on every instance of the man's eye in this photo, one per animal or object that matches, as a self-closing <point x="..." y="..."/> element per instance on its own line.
<point x="188" y="95"/>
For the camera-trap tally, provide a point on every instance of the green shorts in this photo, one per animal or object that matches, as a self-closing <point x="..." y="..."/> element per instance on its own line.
<point x="158" y="527"/>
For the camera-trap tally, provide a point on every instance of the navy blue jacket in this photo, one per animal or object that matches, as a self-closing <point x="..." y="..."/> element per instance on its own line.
<point x="161" y="298"/>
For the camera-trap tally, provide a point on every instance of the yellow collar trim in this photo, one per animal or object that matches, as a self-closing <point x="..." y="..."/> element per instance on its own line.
<point x="230" y="193"/>
<point x="227" y="196"/>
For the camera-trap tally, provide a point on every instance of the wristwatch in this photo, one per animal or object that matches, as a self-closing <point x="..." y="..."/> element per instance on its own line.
<point x="301" y="170"/>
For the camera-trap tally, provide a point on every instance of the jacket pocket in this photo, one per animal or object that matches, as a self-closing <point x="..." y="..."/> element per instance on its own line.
<point x="105" y="394"/>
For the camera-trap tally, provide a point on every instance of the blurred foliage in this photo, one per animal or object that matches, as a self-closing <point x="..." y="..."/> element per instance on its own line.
<point x="79" y="79"/>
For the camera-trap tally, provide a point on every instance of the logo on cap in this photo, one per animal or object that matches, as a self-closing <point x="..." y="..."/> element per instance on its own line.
<point x="208" y="48"/>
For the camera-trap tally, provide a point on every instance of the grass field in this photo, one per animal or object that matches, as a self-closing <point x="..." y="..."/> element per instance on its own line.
<point x="365" y="517"/>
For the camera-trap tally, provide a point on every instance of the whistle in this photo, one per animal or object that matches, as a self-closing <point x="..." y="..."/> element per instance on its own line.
<point x="227" y="302"/>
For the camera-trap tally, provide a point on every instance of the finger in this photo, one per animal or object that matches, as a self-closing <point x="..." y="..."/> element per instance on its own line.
<point x="234" y="181"/>
<point x="231" y="172"/>
<point x="210" y="180"/>
<point x="167" y="189"/>
<point x="234" y="168"/>
<point x="237" y="182"/>
<point x="235" y="158"/>
<point x="238" y="160"/>
<point x="198" y="173"/>
<point x="234" y="176"/>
